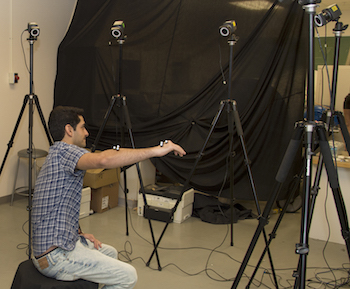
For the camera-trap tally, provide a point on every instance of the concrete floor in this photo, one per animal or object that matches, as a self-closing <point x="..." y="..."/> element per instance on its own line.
<point x="193" y="254"/>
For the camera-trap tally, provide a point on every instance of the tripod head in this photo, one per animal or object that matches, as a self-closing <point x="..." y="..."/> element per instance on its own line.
<point x="339" y="28"/>
<point x="307" y="2"/>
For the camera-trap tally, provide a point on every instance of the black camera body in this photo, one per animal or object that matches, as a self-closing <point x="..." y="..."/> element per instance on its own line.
<point x="117" y="29"/>
<point x="228" y="28"/>
<point x="331" y="13"/>
<point x="33" y="29"/>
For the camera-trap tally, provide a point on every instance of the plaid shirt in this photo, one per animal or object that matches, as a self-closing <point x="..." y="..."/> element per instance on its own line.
<point x="56" y="201"/>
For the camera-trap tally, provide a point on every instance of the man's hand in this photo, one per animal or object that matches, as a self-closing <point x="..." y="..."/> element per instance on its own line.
<point x="168" y="146"/>
<point x="91" y="237"/>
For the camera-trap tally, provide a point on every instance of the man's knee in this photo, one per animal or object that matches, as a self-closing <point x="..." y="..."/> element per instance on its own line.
<point x="109" y="251"/>
<point x="112" y="252"/>
<point x="124" y="275"/>
<point x="132" y="277"/>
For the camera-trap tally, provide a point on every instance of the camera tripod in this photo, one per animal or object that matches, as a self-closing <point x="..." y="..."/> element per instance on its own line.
<point x="125" y="125"/>
<point x="307" y="129"/>
<point x="122" y="104"/>
<point x="233" y="118"/>
<point x="30" y="99"/>
<point x="122" y="123"/>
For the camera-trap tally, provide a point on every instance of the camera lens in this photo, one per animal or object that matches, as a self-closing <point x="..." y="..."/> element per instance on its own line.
<point x="224" y="31"/>
<point x="227" y="28"/>
<point x="34" y="32"/>
<point x="320" y="20"/>
<point x="116" y="33"/>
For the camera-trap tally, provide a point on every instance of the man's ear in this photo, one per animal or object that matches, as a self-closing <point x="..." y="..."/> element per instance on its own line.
<point x="68" y="130"/>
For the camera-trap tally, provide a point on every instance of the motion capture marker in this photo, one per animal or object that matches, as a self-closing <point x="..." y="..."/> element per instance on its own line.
<point x="117" y="147"/>
<point x="162" y="143"/>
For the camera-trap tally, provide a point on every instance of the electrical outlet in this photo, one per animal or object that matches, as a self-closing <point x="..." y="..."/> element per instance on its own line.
<point x="13" y="77"/>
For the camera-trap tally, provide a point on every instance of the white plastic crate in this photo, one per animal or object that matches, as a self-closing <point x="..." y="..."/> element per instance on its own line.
<point x="85" y="202"/>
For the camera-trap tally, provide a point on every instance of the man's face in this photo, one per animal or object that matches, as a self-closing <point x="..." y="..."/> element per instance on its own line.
<point x="80" y="133"/>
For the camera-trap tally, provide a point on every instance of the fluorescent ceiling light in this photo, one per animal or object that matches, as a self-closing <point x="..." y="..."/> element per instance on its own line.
<point x="252" y="4"/>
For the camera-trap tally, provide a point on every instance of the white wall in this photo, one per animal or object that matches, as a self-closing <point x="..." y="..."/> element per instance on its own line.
<point x="322" y="94"/>
<point x="325" y="202"/>
<point x="53" y="18"/>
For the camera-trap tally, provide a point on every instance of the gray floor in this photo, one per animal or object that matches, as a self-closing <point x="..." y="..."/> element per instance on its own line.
<point x="193" y="254"/>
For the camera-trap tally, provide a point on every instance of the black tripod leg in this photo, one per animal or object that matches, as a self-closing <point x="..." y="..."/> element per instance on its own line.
<point x="30" y="173"/>
<point x="263" y="220"/>
<point x="230" y="120"/>
<point x="316" y="186"/>
<point x="274" y="230"/>
<point x="282" y="173"/>
<point x="255" y="195"/>
<point x="326" y="158"/>
<point x="129" y="127"/>
<point x="36" y="101"/>
<point x="126" y="191"/>
<point x="93" y="148"/>
<point x="334" y="184"/>
<point x="145" y="202"/>
<point x="302" y="248"/>
<point x="122" y="125"/>
<point x="200" y="154"/>
<point x="105" y="119"/>
<point x="155" y="250"/>
<point x="10" y="143"/>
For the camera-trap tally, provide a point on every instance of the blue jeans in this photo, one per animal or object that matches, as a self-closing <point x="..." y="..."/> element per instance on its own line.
<point x="86" y="262"/>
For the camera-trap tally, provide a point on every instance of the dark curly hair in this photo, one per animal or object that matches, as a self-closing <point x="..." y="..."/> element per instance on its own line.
<point x="60" y="116"/>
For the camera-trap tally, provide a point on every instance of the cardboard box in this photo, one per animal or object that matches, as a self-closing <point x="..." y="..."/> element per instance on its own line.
<point x="104" y="198"/>
<point x="183" y="211"/>
<point x="100" y="177"/>
<point x="85" y="202"/>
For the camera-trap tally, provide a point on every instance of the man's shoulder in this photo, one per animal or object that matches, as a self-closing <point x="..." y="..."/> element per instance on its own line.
<point x="60" y="145"/>
<point x="65" y="151"/>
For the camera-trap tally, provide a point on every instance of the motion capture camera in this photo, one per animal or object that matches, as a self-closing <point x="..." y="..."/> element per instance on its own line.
<point x="117" y="29"/>
<point x="227" y="28"/>
<point x="331" y="13"/>
<point x="33" y="29"/>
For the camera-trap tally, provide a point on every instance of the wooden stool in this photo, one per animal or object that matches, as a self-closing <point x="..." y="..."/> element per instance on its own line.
<point x="28" y="277"/>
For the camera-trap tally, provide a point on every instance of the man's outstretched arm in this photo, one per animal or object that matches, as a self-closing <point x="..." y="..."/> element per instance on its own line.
<point x="111" y="158"/>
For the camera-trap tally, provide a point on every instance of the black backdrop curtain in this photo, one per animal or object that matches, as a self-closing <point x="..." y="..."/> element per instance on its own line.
<point x="174" y="65"/>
